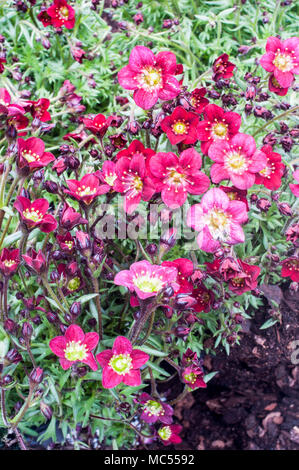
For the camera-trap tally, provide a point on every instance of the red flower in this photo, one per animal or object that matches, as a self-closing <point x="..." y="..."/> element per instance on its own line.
<point x="185" y="269"/>
<point x="39" y="109"/>
<point x="133" y="182"/>
<point x="181" y="126"/>
<point x="193" y="376"/>
<point x="32" y="155"/>
<point x="154" y="410"/>
<point x="136" y="148"/>
<point x="282" y="59"/>
<point x="107" y="175"/>
<point x="295" y="187"/>
<point x="275" y="87"/>
<point x="176" y="176"/>
<point x="271" y="175"/>
<point x="197" y="100"/>
<point x="34" y="214"/>
<point x="246" y="280"/>
<point x="222" y="68"/>
<point x="71" y="278"/>
<point x="235" y="194"/>
<point x="36" y="261"/>
<point x="169" y="434"/>
<point x="151" y="77"/>
<point x="9" y="261"/>
<point x="204" y="299"/>
<point x="85" y="190"/>
<point x="75" y="346"/>
<point x="61" y="14"/>
<point x="2" y="61"/>
<point x="118" y="141"/>
<point x="217" y="125"/>
<point x="237" y="160"/>
<point x="290" y="268"/>
<point x="97" y="124"/>
<point x="66" y="242"/>
<point x="78" y="54"/>
<point x="44" y="17"/>
<point x="121" y="364"/>
<point x="69" y="218"/>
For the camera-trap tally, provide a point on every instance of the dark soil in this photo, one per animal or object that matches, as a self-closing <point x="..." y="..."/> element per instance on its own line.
<point x="253" y="401"/>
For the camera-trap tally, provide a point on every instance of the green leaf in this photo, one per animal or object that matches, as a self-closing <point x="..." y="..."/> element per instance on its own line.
<point x="268" y="323"/>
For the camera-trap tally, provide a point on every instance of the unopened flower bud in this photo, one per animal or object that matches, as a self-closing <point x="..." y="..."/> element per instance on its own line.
<point x="284" y="209"/>
<point x="75" y="309"/>
<point x="27" y="331"/>
<point x="46" y="410"/>
<point x="36" y="376"/>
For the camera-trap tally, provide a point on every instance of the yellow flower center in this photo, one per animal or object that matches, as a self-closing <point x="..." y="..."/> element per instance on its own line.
<point x="69" y="244"/>
<point x="64" y="12"/>
<point x="219" y="130"/>
<point x="165" y="433"/>
<point x="138" y="184"/>
<point x="191" y="378"/>
<point x="236" y="162"/>
<point x="153" y="407"/>
<point x="30" y="157"/>
<point x="152" y="76"/>
<point x="283" y="62"/>
<point x="33" y="215"/>
<point x="121" y="363"/>
<point x="75" y="351"/>
<point x="85" y="191"/>
<point x="148" y="284"/>
<point x="180" y="127"/>
<point x="9" y="262"/>
<point x="74" y="284"/>
<point x="110" y="178"/>
<point x="218" y="224"/>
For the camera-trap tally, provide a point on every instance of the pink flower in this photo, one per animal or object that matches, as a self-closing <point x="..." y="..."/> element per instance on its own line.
<point x="176" y="176"/>
<point x="75" y="346"/>
<point x="271" y="175"/>
<point x="170" y="434"/>
<point x="107" y="175"/>
<point x="295" y="187"/>
<point x="85" y="190"/>
<point x="282" y="59"/>
<point x="237" y="160"/>
<point x="147" y="279"/>
<point x="133" y="182"/>
<point x="9" y="261"/>
<point x="218" y="220"/>
<point x="34" y="214"/>
<point x="218" y="125"/>
<point x="36" y="261"/>
<point x="151" y="77"/>
<point x="121" y="364"/>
